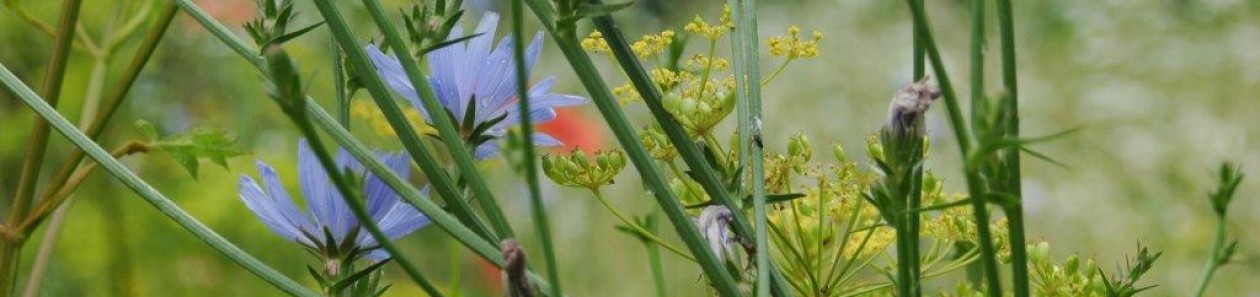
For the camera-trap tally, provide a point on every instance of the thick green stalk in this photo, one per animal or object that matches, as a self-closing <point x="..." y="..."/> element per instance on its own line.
<point x="704" y="173"/>
<point x="116" y="96"/>
<point x="538" y="209"/>
<point x="446" y="127"/>
<point x="445" y="221"/>
<point x="151" y="195"/>
<point x="439" y="178"/>
<point x="977" y="63"/>
<point x="748" y="88"/>
<point x="616" y="119"/>
<point x="959" y="124"/>
<point x="1013" y="174"/>
<point x="11" y="249"/>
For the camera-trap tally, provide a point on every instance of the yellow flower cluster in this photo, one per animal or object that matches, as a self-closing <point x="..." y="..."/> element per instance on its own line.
<point x="711" y="31"/>
<point x="793" y="46"/>
<point x="650" y="45"/>
<point x="699" y="62"/>
<point x="595" y="43"/>
<point x="376" y="120"/>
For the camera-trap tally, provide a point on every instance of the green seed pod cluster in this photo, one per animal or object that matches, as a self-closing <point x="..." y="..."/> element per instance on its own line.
<point x="577" y="170"/>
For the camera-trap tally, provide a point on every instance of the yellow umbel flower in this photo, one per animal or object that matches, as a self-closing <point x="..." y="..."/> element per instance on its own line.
<point x="793" y="46"/>
<point x="711" y="31"/>
<point x="595" y="43"/>
<point x="699" y="62"/>
<point x="650" y="45"/>
<point x="379" y="125"/>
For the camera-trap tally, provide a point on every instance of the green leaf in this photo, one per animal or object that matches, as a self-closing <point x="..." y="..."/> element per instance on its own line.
<point x="189" y="147"/>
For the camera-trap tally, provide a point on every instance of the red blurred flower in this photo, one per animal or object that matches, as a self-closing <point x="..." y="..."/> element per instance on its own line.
<point x="575" y="129"/>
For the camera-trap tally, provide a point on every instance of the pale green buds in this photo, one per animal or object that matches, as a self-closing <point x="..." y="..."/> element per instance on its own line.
<point x="576" y="170"/>
<point x="874" y="149"/>
<point x="799" y="147"/>
<point x="799" y="151"/>
<point x="700" y="115"/>
<point x="839" y="153"/>
<point x="286" y="85"/>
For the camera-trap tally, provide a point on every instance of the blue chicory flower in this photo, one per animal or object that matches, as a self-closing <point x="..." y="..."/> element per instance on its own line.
<point x="328" y="211"/>
<point x="471" y="75"/>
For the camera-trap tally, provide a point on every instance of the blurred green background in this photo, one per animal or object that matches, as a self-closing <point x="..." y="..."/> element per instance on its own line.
<point x="1164" y="90"/>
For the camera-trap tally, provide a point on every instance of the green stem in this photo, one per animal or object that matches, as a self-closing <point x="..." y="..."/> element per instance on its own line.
<point x="644" y="233"/>
<point x="1014" y="213"/>
<point x="11" y="250"/>
<point x="1218" y="243"/>
<point x="748" y="88"/>
<point x="539" y="210"/>
<point x="963" y="136"/>
<point x="654" y="260"/>
<point x="151" y="195"/>
<point x="616" y="119"/>
<point x="917" y="44"/>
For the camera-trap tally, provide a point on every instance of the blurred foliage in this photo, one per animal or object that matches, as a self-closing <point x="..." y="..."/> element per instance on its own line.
<point x="1163" y="88"/>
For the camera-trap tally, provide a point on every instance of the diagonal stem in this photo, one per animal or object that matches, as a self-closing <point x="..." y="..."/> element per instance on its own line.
<point x="10" y="251"/>
<point x="146" y="191"/>
<point x="538" y="209"/>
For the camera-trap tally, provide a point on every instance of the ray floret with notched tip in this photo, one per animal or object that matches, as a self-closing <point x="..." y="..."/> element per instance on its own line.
<point x="475" y="81"/>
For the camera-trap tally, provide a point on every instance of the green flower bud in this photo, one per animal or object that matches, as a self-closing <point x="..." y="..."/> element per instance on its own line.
<point x="799" y="147"/>
<point x="873" y="148"/>
<point x="841" y="156"/>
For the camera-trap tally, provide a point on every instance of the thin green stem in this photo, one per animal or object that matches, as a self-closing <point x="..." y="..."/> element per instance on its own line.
<point x="1013" y="173"/>
<point x="965" y="142"/>
<point x="151" y="195"/>
<point x="10" y="250"/>
<point x="446" y="127"/>
<point x="918" y="52"/>
<point x="1214" y="262"/>
<point x="638" y="229"/>
<point x="616" y="119"/>
<point x="654" y="260"/>
<point x="538" y="209"/>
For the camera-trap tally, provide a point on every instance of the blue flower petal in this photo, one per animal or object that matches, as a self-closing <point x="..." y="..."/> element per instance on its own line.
<point x="486" y="150"/>
<point x="541" y="139"/>
<point x="326" y="204"/>
<point x="265" y="208"/>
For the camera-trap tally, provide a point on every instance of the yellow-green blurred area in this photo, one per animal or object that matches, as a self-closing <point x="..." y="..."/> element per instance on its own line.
<point x="1163" y="91"/>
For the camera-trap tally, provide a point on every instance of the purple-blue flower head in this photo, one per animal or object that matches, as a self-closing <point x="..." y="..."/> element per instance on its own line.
<point x="478" y="78"/>
<point x="329" y="225"/>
